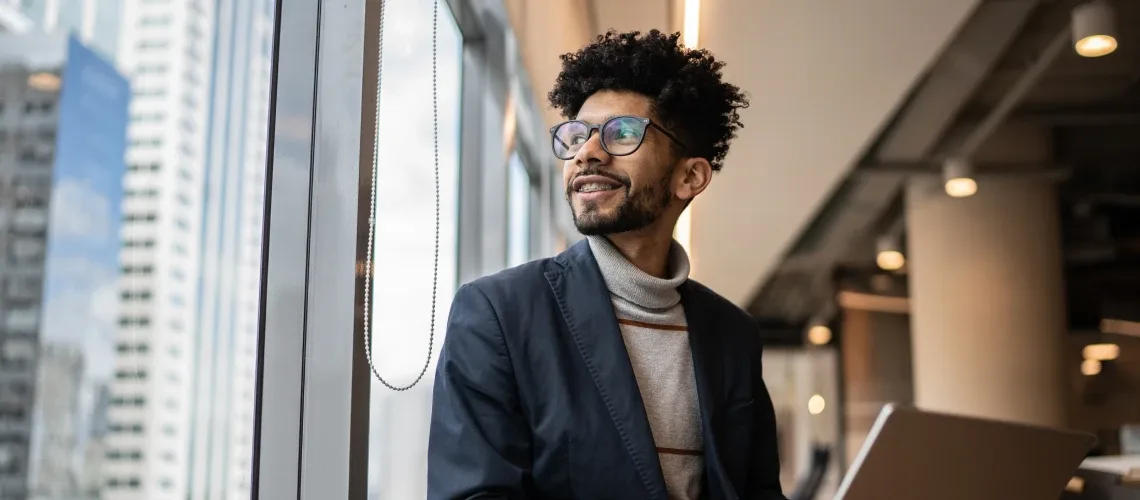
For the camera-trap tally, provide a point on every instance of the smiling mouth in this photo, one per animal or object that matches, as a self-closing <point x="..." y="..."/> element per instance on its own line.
<point x="595" y="188"/>
<point x="589" y="184"/>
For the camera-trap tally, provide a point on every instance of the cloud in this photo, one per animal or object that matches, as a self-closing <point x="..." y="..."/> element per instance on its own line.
<point x="81" y="309"/>
<point x="79" y="212"/>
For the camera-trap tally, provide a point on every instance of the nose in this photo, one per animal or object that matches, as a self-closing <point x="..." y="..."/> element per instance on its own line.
<point x="592" y="151"/>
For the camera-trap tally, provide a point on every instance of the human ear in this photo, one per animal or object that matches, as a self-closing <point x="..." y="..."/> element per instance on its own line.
<point x="691" y="177"/>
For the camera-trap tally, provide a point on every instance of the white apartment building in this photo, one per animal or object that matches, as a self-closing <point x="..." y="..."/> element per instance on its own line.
<point x="166" y="48"/>
<point x="200" y="72"/>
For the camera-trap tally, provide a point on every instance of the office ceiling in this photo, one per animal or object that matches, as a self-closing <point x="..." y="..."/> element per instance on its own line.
<point x="1086" y="113"/>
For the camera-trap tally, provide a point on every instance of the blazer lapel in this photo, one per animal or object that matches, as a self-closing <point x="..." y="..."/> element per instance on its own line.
<point x="585" y="303"/>
<point x="708" y="370"/>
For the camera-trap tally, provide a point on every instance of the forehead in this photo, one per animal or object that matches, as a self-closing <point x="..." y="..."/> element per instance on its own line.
<point x="609" y="103"/>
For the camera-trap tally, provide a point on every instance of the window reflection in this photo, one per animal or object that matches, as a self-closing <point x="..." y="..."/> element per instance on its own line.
<point x="128" y="294"/>
<point x="403" y="252"/>
<point x="518" y="212"/>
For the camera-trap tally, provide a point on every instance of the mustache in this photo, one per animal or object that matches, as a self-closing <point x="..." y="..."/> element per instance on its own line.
<point x="624" y="181"/>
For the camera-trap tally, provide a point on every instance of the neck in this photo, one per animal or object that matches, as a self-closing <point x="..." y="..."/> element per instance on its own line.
<point x="648" y="249"/>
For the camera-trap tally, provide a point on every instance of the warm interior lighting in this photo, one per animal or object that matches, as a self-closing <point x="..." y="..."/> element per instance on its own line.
<point x="889" y="257"/>
<point x="1096" y="45"/>
<point x="1076" y="485"/>
<point x="819" y="335"/>
<point x="44" y="82"/>
<point x="683" y="233"/>
<point x="692" y="29"/>
<point x="1094" y="29"/>
<point x="1090" y="367"/>
<point x="691" y="34"/>
<point x="510" y="125"/>
<point x="1101" y="352"/>
<point x="958" y="177"/>
<point x="890" y="260"/>
<point x="961" y="187"/>
<point x="816" y="404"/>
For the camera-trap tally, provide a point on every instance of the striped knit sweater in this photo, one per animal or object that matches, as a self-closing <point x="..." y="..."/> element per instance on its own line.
<point x="656" y="338"/>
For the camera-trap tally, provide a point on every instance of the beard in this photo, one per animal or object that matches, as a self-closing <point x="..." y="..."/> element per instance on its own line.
<point x="637" y="210"/>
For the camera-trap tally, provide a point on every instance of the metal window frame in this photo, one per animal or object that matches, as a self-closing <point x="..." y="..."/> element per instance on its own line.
<point x="312" y="378"/>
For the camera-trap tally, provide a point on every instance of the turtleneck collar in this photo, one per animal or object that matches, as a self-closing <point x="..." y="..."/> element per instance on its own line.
<point x="631" y="283"/>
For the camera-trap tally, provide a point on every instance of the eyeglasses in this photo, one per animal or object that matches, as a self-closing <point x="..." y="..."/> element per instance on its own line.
<point x="620" y="135"/>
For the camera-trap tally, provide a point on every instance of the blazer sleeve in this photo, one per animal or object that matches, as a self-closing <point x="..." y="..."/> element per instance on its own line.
<point x="764" y="473"/>
<point x="479" y="444"/>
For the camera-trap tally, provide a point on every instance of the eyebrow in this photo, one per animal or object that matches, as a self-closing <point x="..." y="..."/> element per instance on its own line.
<point x="604" y="119"/>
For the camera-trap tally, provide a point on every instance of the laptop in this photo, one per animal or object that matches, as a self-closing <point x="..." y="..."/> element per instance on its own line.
<point x="912" y="454"/>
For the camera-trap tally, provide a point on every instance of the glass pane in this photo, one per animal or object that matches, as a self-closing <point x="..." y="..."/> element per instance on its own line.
<point x="400" y="306"/>
<point x="518" y="213"/>
<point x="130" y="269"/>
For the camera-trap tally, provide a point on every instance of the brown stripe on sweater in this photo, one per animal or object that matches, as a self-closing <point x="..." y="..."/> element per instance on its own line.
<point x="653" y="326"/>
<point x="678" y="451"/>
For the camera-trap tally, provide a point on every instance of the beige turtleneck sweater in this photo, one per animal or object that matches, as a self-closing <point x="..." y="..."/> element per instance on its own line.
<point x="656" y="338"/>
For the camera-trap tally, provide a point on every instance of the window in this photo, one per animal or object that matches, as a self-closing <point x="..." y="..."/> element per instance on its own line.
<point x="153" y="44"/>
<point x="44" y="107"/>
<point x="405" y="211"/>
<point x="126" y="293"/>
<point x="139" y="218"/>
<point x="145" y="167"/>
<point x="152" y="142"/>
<point x="519" y="187"/>
<point x="147" y="69"/>
<point x="147" y="117"/>
<point x="155" y="21"/>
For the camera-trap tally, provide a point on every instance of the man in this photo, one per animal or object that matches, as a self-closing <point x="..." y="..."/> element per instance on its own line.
<point x="605" y="372"/>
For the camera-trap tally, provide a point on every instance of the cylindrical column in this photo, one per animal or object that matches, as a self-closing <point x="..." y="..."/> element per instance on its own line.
<point x="987" y="301"/>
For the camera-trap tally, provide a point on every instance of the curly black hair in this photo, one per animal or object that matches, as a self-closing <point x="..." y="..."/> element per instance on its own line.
<point x="689" y="97"/>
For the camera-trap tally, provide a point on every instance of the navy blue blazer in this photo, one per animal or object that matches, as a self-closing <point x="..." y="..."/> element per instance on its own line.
<point x="535" y="397"/>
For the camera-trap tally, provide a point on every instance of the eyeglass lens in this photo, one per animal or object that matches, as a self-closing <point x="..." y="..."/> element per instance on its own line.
<point x="620" y="136"/>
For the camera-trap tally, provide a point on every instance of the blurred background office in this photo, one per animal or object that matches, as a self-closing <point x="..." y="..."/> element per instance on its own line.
<point x="932" y="202"/>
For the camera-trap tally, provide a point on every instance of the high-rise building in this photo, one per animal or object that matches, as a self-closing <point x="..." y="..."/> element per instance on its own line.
<point x="63" y="113"/>
<point x="167" y="48"/>
<point x="56" y="431"/>
<point x="191" y="270"/>
<point x="225" y="354"/>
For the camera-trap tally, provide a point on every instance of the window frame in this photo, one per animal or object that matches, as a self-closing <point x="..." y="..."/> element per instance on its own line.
<point x="312" y="376"/>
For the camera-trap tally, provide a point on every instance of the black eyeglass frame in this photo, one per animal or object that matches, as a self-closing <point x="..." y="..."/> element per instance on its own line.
<point x="591" y="128"/>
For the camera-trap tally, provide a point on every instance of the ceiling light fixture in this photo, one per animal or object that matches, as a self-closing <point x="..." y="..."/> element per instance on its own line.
<point x="889" y="256"/>
<point x="957" y="175"/>
<point x="816" y="404"/>
<point x="1094" y="28"/>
